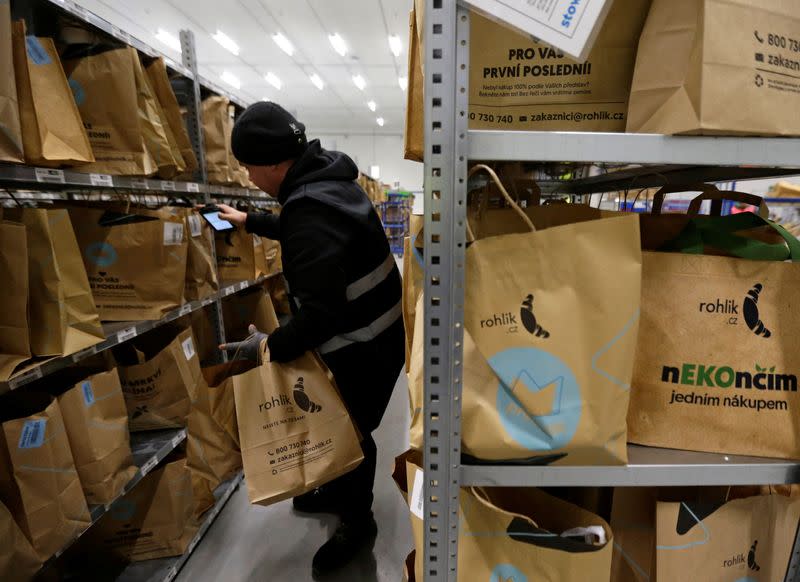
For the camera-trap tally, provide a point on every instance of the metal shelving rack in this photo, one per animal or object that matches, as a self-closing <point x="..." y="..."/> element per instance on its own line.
<point x="43" y="184"/>
<point x="449" y="145"/>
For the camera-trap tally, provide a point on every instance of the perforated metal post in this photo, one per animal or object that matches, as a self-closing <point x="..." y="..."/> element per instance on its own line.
<point x="194" y="121"/>
<point x="194" y="125"/>
<point x="446" y="34"/>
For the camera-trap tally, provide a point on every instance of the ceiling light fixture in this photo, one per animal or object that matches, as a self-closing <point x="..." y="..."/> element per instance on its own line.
<point x="338" y="44"/>
<point x="226" y="42"/>
<point x="283" y="43"/>
<point x="317" y="80"/>
<point x="395" y="45"/>
<point x="372" y="105"/>
<point x="273" y="80"/>
<point x="168" y="39"/>
<point x="231" y="80"/>
<point x="359" y="82"/>
<point x="380" y="121"/>
<point x="403" y="82"/>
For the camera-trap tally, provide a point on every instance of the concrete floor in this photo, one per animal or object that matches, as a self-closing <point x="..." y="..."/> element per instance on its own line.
<point x="249" y="542"/>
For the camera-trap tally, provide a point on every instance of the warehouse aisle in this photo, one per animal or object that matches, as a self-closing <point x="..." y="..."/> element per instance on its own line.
<point x="249" y="543"/>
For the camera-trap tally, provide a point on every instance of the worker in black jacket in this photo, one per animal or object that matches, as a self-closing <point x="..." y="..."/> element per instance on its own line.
<point x="345" y="291"/>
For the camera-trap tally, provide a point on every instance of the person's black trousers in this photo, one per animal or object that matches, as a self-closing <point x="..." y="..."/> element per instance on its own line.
<point x="366" y="374"/>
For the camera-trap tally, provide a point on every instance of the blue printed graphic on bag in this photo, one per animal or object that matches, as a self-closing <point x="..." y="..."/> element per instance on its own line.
<point x="507" y="573"/>
<point x="32" y="436"/>
<point x="36" y="52"/>
<point x="88" y="393"/>
<point x="538" y="398"/>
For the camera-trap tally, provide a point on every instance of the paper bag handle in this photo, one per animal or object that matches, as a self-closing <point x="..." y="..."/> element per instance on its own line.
<point x="477" y="168"/>
<point x="718" y="196"/>
<point x="658" y="197"/>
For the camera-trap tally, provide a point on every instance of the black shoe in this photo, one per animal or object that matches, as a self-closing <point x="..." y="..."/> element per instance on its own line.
<point x="349" y="538"/>
<point x="318" y="500"/>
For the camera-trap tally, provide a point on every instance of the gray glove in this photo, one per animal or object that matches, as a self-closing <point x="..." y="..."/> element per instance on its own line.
<point x="248" y="349"/>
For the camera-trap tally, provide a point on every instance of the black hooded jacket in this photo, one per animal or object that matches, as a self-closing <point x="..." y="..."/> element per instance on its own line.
<point x="344" y="284"/>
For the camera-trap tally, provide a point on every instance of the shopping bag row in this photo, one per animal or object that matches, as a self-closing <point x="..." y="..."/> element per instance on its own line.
<point x="585" y="330"/>
<point x="60" y="455"/>
<point x="100" y="109"/>
<point x="68" y="269"/>
<point x="676" y="534"/>
<point x="692" y="67"/>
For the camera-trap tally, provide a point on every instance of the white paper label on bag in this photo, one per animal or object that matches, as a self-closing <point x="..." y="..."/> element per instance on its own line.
<point x="195" y="226"/>
<point x="173" y="233"/>
<point x="417" y="504"/>
<point x="32" y="436"/>
<point x="569" y="25"/>
<point x="188" y="348"/>
<point x="47" y="176"/>
<point x="102" y="180"/>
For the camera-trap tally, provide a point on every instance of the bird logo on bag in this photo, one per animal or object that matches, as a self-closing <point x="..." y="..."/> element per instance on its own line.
<point x="302" y="400"/>
<point x="751" y="558"/>
<point x="529" y="319"/>
<point x="750" y="312"/>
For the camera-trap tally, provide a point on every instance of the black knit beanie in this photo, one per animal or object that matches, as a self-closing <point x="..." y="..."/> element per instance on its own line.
<point x="266" y="134"/>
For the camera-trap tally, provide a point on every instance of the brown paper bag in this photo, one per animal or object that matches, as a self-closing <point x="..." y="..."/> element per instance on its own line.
<point x="633" y="521"/>
<point x="201" y="272"/>
<point x="210" y="450"/>
<point x="54" y="133"/>
<point x="159" y="381"/>
<point x="63" y="316"/>
<point x="18" y="561"/>
<point x="159" y="79"/>
<point x="38" y="480"/>
<point x="14" y="329"/>
<point x="251" y="306"/>
<point x="260" y="257"/>
<point x="509" y="533"/>
<point x="745" y="539"/>
<point x="551" y="320"/>
<point x="154" y="126"/>
<point x="136" y="263"/>
<point x="108" y="98"/>
<point x="236" y="257"/>
<point x="11" y="149"/>
<point x="717" y="67"/>
<point x="413" y="280"/>
<point x="202" y="493"/>
<point x="278" y="292"/>
<point x="518" y="83"/>
<point x="223" y="408"/>
<point x="217" y="128"/>
<point x="97" y="426"/>
<point x="155" y="520"/>
<point x="294" y="429"/>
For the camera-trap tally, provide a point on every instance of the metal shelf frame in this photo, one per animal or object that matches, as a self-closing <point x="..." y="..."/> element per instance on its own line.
<point x="119" y="333"/>
<point x="448" y="147"/>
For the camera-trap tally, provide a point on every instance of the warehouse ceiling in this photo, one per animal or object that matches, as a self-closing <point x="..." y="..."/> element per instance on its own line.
<point x="340" y="106"/>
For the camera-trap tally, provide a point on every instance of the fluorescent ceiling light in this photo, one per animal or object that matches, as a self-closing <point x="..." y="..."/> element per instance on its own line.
<point x="372" y="105"/>
<point x="380" y="121"/>
<point x="403" y="82"/>
<point x="359" y="82"/>
<point x="231" y="80"/>
<point x="226" y="42"/>
<point x="168" y="39"/>
<point x="283" y="43"/>
<point x="273" y="80"/>
<point x="318" y="83"/>
<point x="338" y="44"/>
<point x="395" y="45"/>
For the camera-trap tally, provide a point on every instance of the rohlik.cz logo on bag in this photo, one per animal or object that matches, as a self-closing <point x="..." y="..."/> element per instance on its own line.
<point x="509" y="320"/>
<point x="301" y="400"/>
<point x="731" y="308"/>
<point x="739" y="560"/>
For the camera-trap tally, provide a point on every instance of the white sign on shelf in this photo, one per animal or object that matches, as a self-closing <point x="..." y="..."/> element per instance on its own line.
<point x="568" y="25"/>
<point x="103" y="180"/>
<point x="47" y="176"/>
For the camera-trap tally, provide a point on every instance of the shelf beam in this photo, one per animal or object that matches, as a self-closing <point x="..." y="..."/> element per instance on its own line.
<point x="633" y="148"/>
<point x="647" y="466"/>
